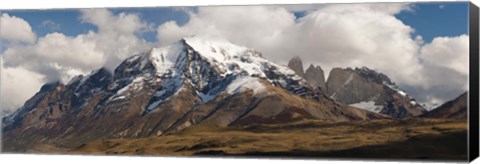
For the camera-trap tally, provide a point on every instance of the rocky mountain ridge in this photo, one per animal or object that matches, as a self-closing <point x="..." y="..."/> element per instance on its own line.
<point x="453" y="109"/>
<point x="194" y="82"/>
<point x="366" y="89"/>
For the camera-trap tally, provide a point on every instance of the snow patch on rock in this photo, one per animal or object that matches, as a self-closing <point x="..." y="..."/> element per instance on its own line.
<point x="368" y="105"/>
<point x="242" y="83"/>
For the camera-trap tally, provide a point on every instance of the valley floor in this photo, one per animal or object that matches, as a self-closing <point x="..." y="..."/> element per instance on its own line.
<point x="432" y="139"/>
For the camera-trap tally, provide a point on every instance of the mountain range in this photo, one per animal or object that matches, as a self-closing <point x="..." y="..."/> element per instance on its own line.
<point x="198" y="82"/>
<point x="370" y="90"/>
<point x="362" y="88"/>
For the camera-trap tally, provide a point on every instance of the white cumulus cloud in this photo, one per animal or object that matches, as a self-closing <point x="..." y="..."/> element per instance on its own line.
<point x="14" y="29"/>
<point x="445" y="69"/>
<point x="57" y="57"/>
<point x="254" y="26"/>
<point x="338" y="35"/>
<point x="449" y="52"/>
<point x="18" y="85"/>
<point x="50" y="25"/>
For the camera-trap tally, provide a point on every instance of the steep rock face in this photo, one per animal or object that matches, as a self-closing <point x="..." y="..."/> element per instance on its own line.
<point x="194" y="81"/>
<point x="3" y="114"/>
<point x="296" y="65"/>
<point x="249" y="107"/>
<point x="370" y="90"/>
<point x="315" y="76"/>
<point x="41" y="108"/>
<point x="454" y="109"/>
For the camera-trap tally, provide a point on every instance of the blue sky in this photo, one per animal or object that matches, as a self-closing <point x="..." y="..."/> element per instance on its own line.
<point x="428" y="19"/>
<point x="70" y="24"/>
<point x="437" y="19"/>
<point x="69" y="21"/>
<point x="156" y="16"/>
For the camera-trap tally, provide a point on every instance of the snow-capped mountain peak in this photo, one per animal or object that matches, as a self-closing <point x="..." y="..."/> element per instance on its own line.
<point x="230" y="58"/>
<point x="169" y="88"/>
<point x="209" y="66"/>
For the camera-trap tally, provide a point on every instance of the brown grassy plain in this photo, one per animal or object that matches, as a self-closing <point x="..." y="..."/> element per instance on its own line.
<point x="389" y="139"/>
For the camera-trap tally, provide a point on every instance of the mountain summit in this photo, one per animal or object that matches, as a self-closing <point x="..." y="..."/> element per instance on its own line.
<point x="314" y="75"/>
<point x="193" y="82"/>
<point x="296" y="65"/>
<point x="363" y="88"/>
<point x="453" y="109"/>
<point x="368" y="89"/>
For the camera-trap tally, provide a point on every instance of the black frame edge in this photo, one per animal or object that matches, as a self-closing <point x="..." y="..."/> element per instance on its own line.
<point x="473" y="120"/>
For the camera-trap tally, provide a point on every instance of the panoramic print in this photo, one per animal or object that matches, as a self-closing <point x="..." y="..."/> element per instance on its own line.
<point x="373" y="80"/>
